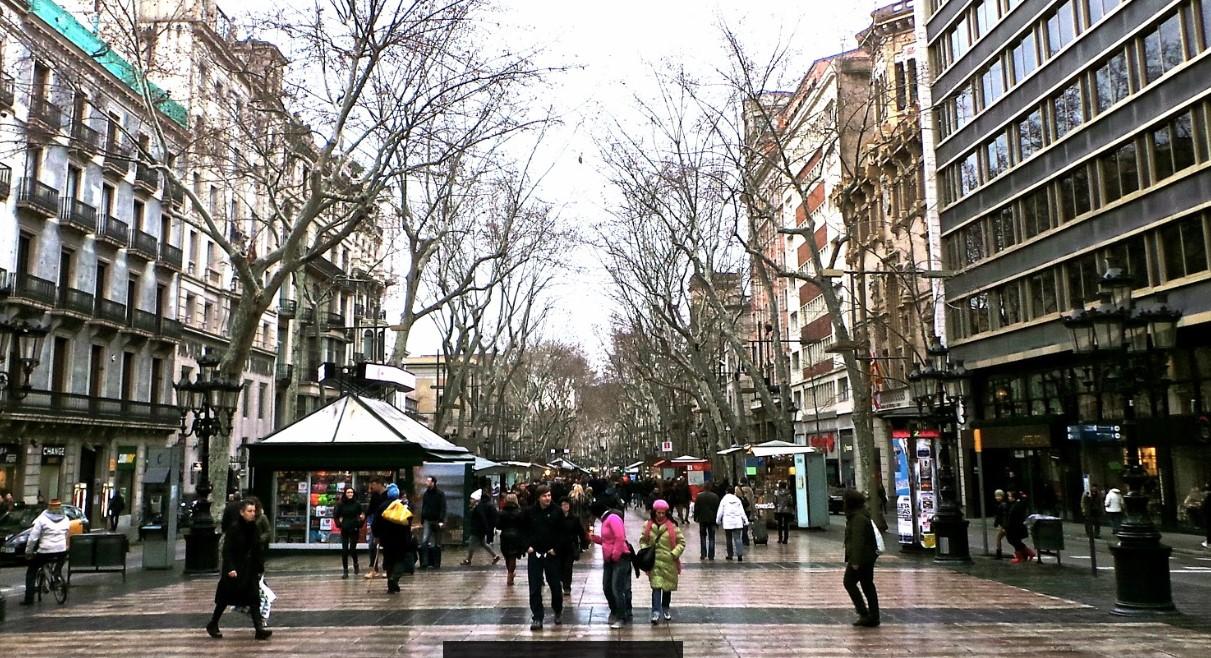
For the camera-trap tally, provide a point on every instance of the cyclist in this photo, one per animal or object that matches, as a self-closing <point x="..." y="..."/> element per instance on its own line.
<point x="47" y="543"/>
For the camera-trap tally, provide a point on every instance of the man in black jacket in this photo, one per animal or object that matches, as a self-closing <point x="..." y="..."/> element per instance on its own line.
<point x="706" y="507"/>
<point x="433" y="518"/>
<point x="378" y="498"/>
<point x="544" y="525"/>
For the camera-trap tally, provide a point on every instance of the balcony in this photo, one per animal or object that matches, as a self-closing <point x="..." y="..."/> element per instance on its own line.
<point x="334" y="321"/>
<point x="46" y="113"/>
<point x="110" y="311"/>
<point x="75" y="301"/>
<point x="38" y="197"/>
<point x="29" y="288"/>
<point x="144" y="244"/>
<point x="307" y="316"/>
<point x="168" y="328"/>
<point x="113" y="230"/>
<point x="79" y="215"/>
<point x="85" y="141"/>
<point x="284" y="372"/>
<point x="89" y="410"/>
<point x="6" y="180"/>
<point x="286" y="307"/>
<point x="171" y="257"/>
<point x="325" y="268"/>
<point x="143" y="321"/>
<point x="7" y="90"/>
<point x="146" y="178"/>
<point x="117" y="159"/>
<point x="174" y="194"/>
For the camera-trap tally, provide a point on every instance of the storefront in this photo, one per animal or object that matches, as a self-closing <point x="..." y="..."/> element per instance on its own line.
<point x="800" y="467"/>
<point x="301" y="471"/>
<point x="10" y="455"/>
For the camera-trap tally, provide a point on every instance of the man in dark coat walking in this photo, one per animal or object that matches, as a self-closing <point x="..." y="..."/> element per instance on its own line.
<point x="117" y="505"/>
<point x="544" y="525"/>
<point x="240" y="579"/>
<point x="433" y="518"/>
<point x="706" y="507"/>
<point x="860" y="556"/>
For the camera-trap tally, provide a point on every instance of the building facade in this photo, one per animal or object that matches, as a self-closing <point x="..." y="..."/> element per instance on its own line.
<point x="1071" y="136"/>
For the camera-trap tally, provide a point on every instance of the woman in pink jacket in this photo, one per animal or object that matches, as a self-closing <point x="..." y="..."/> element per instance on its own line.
<point x="616" y="580"/>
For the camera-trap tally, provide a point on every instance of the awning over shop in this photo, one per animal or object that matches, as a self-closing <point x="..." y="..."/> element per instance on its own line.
<point x="488" y="467"/>
<point x="777" y="448"/>
<point x="633" y="468"/>
<point x="566" y="465"/>
<point x="732" y="450"/>
<point x="687" y="459"/>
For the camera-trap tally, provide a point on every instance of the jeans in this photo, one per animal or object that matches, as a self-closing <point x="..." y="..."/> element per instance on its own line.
<point x="706" y="538"/>
<point x="348" y="548"/>
<point x="735" y="542"/>
<point x="1116" y="520"/>
<point x="370" y="541"/>
<point x="784" y="527"/>
<point x="539" y="567"/>
<point x="864" y="576"/>
<point x="430" y="533"/>
<point x="661" y="598"/>
<point x="31" y="571"/>
<point x="475" y="543"/>
<point x="616" y="582"/>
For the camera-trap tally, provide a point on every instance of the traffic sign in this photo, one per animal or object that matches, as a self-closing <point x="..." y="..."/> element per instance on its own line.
<point x="666" y="446"/>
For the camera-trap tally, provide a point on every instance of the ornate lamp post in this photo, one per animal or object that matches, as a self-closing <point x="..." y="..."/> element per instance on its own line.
<point x="1135" y="345"/>
<point x="28" y="338"/>
<point x="939" y="387"/>
<point x="212" y="400"/>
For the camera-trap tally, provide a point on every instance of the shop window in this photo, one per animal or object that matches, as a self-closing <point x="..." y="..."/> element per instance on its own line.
<point x="1067" y="110"/>
<point x="1072" y="190"/>
<point x="1030" y="134"/>
<point x="1120" y="173"/>
<point x="1183" y="248"/>
<point x="290" y="507"/>
<point x="1042" y="294"/>
<point x="1025" y="57"/>
<point x="1111" y="81"/>
<point x="992" y="83"/>
<point x="997" y="154"/>
<point x="1003" y="227"/>
<point x="1099" y="8"/>
<point x="1163" y="48"/>
<point x="1061" y="27"/>
<point x="1036" y="213"/>
<point x="1173" y="146"/>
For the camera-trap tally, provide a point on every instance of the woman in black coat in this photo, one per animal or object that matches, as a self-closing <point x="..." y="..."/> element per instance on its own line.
<point x="240" y="579"/>
<point x="348" y="517"/>
<point x="1015" y="527"/>
<point x="399" y="546"/>
<point x="511" y="522"/>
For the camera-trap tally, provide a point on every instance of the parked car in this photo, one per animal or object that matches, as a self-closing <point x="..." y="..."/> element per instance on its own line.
<point x="16" y="525"/>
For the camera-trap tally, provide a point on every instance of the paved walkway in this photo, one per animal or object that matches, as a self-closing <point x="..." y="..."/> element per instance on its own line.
<point x="782" y="601"/>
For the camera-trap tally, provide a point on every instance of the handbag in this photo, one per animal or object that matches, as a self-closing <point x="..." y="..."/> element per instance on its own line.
<point x="398" y="513"/>
<point x="645" y="559"/>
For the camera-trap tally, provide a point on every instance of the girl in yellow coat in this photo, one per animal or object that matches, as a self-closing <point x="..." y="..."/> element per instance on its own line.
<point x="669" y="541"/>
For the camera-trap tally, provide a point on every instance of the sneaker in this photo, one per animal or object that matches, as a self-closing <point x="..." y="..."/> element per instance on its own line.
<point x="655" y="618"/>
<point x="536" y="625"/>
<point x="867" y="622"/>
<point x="617" y="623"/>
<point x="1205" y="545"/>
<point x="611" y="619"/>
<point x="668" y="615"/>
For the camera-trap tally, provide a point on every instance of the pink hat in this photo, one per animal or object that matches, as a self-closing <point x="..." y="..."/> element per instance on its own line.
<point x="660" y="504"/>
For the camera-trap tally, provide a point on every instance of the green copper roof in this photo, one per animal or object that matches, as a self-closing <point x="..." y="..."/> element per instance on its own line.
<point x="84" y="38"/>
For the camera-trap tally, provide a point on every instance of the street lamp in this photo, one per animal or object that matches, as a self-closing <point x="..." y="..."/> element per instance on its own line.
<point x="28" y="338"/>
<point x="211" y="399"/>
<point x="939" y="387"/>
<point x="1135" y="343"/>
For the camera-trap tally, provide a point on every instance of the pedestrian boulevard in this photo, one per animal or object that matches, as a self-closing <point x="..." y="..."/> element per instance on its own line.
<point x="782" y="601"/>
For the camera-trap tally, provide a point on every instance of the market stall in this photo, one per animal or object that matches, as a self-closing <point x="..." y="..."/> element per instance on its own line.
<point x="696" y="471"/>
<point x="802" y="467"/>
<point x="301" y="470"/>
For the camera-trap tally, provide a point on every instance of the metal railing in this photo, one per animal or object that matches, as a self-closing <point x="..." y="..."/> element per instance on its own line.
<point x="76" y="301"/>
<point x="6" y="180"/>
<point x="174" y="194"/>
<point x="8" y="92"/>
<point x="284" y="371"/>
<point x="117" y="158"/>
<point x="171" y="255"/>
<point x="38" y="195"/>
<point x="87" y="408"/>
<point x="110" y="311"/>
<point x="45" y="112"/>
<point x="169" y="328"/>
<point x="84" y="137"/>
<point x="114" y="230"/>
<point x="144" y="244"/>
<point x="147" y="177"/>
<point x="144" y="321"/>
<point x="28" y="286"/>
<point x="78" y="214"/>
<point x="287" y="307"/>
<point x="334" y="321"/>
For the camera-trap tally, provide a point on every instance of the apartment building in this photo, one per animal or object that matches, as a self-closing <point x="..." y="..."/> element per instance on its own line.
<point x="1071" y="136"/>
<point x="89" y="248"/>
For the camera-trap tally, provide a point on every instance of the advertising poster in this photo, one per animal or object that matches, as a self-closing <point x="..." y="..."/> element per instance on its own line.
<point x="903" y="492"/>
<point x="925" y="490"/>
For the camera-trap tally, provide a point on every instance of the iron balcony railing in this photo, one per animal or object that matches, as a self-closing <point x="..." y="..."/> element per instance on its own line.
<point x="171" y="256"/>
<point x="146" y="177"/>
<point x="144" y="321"/>
<point x="76" y="301"/>
<point x="78" y="214"/>
<point x="85" y="138"/>
<point x="284" y="371"/>
<point x="45" y="112"/>
<point x="7" y="90"/>
<point x="144" y="244"/>
<point x="169" y="328"/>
<point x="110" y="311"/>
<point x="287" y="307"/>
<point x="87" y="408"/>
<point x="39" y="196"/>
<point x="28" y="286"/>
<point x="113" y="230"/>
<point x="117" y="158"/>
<point x="334" y="321"/>
<point x="6" y="180"/>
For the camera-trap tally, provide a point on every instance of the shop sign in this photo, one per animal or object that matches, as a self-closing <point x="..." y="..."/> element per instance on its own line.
<point x="823" y="442"/>
<point x="666" y="446"/>
<point x="9" y="453"/>
<point x="127" y="455"/>
<point x="53" y="455"/>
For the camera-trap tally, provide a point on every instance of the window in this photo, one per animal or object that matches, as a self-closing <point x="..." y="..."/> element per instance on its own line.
<point x="1002" y="229"/>
<point x="245" y="396"/>
<point x="261" y="400"/>
<point x="1120" y="173"/>
<point x="969" y="173"/>
<point x="1163" y="48"/>
<point x="1030" y="134"/>
<point x="997" y="152"/>
<point x="843" y="389"/>
<point x="977" y="313"/>
<point x="1110" y="81"/>
<point x="1072" y="190"/>
<point x="1042" y="294"/>
<point x="957" y="41"/>
<point x="1036" y="213"/>
<point x="992" y="83"/>
<point x="901" y="90"/>
<point x="138" y="216"/>
<point x="1067" y="109"/>
<point x="1025" y="57"/>
<point x="1206" y="22"/>
<point x="965" y="107"/>
<point x="1183" y="251"/>
<point x="1099" y="8"/>
<point x="983" y="16"/>
<point x="1131" y="255"/>
<point x="973" y="243"/>
<point x="910" y="70"/>
<point x="1082" y="278"/>
<point x="1061" y="28"/>
<point x="1009" y="303"/>
<point x="1173" y="146"/>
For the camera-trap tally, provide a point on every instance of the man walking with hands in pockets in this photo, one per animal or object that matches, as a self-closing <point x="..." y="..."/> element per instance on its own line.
<point x="543" y="527"/>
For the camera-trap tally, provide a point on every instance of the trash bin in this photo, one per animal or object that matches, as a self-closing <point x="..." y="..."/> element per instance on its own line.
<point x="156" y="547"/>
<point x="1047" y="533"/>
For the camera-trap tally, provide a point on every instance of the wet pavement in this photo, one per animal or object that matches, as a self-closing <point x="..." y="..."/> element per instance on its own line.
<point x="783" y="600"/>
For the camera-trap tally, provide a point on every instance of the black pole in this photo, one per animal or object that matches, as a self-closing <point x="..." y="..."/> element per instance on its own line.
<point x="202" y="543"/>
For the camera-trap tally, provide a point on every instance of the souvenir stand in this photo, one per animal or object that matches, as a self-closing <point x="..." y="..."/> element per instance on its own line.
<point x="696" y="471"/>
<point x="802" y="467"/>
<point x="301" y="471"/>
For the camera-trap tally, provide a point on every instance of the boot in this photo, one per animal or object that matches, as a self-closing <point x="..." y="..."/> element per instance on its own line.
<point x="1017" y="557"/>
<point x="509" y="582"/>
<point x="212" y="629"/>
<point x="346" y="576"/>
<point x="999" y="555"/>
<point x="355" y="567"/>
<point x="258" y="623"/>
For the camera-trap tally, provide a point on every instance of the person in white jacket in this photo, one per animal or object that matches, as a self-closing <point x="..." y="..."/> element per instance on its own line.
<point x="732" y="519"/>
<point x="47" y="543"/>
<point x="1114" y="509"/>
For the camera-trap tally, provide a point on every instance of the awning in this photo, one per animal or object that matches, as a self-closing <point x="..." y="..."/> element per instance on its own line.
<point x="633" y="467"/>
<point x="732" y="450"/>
<point x="566" y="465"/>
<point x="776" y="448"/>
<point x="155" y="475"/>
<point x="687" y="459"/>
<point x="487" y="466"/>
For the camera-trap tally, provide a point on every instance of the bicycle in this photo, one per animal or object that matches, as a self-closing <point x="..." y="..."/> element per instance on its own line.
<point x="51" y="580"/>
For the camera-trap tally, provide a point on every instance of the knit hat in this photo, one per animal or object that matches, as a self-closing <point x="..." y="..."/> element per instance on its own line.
<point x="392" y="491"/>
<point x="660" y="504"/>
